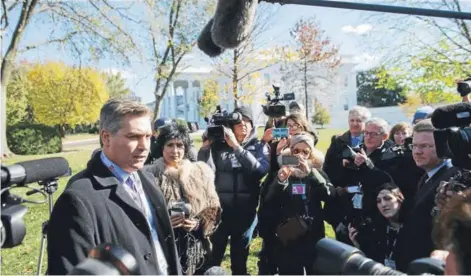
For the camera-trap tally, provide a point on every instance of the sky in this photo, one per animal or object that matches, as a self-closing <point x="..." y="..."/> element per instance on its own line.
<point x="348" y="29"/>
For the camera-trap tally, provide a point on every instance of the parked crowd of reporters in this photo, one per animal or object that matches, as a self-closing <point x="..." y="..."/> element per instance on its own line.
<point x="377" y="188"/>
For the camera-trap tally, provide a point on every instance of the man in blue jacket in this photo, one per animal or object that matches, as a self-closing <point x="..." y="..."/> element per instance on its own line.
<point x="239" y="167"/>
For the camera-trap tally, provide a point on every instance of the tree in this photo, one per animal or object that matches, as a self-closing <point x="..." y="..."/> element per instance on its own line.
<point x="17" y="97"/>
<point x="246" y="61"/>
<point x="116" y="85"/>
<point x="210" y="98"/>
<point x="62" y="95"/>
<point x="172" y="42"/>
<point x="321" y="114"/>
<point x="430" y="76"/>
<point x="312" y="53"/>
<point x="88" y="30"/>
<point x="370" y="94"/>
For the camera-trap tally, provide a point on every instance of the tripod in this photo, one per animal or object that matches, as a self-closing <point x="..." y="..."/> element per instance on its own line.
<point x="49" y="187"/>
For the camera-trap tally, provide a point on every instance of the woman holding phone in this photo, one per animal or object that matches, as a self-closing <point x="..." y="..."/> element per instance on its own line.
<point x="295" y="197"/>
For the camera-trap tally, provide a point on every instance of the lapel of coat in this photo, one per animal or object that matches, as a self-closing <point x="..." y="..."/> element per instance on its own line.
<point x="118" y="194"/>
<point x="431" y="185"/>
<point x="162" y="219"/>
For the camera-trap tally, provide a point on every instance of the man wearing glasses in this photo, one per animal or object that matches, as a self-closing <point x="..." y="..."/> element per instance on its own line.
<point x="418" y="224"/>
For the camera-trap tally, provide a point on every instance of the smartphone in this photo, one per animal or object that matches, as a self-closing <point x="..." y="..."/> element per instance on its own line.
<point x="280" y="133"/>
<point x="287" y="160"/>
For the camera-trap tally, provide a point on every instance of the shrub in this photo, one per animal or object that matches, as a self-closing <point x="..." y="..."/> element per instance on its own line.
<point x="26" y="139"/>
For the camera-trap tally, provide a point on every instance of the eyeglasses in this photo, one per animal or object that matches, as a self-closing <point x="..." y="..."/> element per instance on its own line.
<point x="304" y="152"/>
<point x="372" y="134"/>
<point x="421" y="146"/>
<point x="293" y="126"/>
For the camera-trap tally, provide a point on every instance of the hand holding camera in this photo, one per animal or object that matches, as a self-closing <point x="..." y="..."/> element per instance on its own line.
<point x="360" y="158"/>
<point x="230" y="138"/>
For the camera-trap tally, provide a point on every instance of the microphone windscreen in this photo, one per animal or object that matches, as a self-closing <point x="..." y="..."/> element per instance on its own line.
<point x="206" y="43"/>
<point x="458" y="115"/>
<point x="216" y="270"/>
<point x="233" y="22"/>
<point x="44" y="169"/>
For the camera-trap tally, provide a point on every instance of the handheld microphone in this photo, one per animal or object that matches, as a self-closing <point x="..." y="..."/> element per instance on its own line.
<point x="26" y="172"/>
<point x="456" y="115"/>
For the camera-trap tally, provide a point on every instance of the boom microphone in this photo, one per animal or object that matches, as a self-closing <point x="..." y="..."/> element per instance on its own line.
<point x="33" y="171"/>
<point x="230" y="26"/>
<point x="456" y="115"/>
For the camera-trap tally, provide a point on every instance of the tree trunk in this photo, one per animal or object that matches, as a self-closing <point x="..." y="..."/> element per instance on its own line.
<point x="62" y="130"/>
<point x="305" y="90"/>
<point x="235" y="76"/>
<point x="6" y="69"/>
<point x="158" y="105"/>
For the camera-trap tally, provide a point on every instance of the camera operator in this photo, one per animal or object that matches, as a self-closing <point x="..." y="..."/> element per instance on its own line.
<point x="239" y="167"/>
<point x="295" y="196"/>
<point x="419" y="221"/>
<point x="190" y="184"/>
<point x="114" y="201"/>
<point x="296" y="123"/>
<point x="453" y="232"/>
<point x="381" y="239"/>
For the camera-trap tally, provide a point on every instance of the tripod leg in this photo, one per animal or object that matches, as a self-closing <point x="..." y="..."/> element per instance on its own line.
<point x="43" y="244"/>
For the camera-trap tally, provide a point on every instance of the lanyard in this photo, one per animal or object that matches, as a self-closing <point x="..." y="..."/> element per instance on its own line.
<point x="390" y="250"/>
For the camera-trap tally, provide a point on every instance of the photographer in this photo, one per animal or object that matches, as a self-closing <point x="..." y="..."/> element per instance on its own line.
<point x="296" y="123"/>
<point x="333" y="166"/>
<point x="453" y="232"/>
<point x="239" y="167"/>
<point x="381" y="239"/>
<point x="295" y="196"/>
<point x="191" y="184"/>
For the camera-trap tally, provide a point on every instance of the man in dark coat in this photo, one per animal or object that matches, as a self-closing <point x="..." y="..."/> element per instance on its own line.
<point x="417" y="227"/>
<point x="240" y="164"/>
<point x="113" y="201"/>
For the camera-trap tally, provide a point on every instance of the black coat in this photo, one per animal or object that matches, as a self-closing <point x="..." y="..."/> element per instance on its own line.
<point x="94" y="209"/>
<point x="333" y="160"/>
<point x="418" y="224"/>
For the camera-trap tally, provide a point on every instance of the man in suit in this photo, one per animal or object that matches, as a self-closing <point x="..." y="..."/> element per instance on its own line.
<point x="113" y="201"/>
<point x="418" y="223"/>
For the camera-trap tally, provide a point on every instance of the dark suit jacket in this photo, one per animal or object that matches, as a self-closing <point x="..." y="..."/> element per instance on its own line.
<point x="418" y="224"/>
<point x="94" y="209"/>
<point x="333" y="159"/>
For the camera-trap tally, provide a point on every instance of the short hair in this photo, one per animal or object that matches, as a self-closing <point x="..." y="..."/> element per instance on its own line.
<point x="114" y="110"/>
<point x="424" y="126"/>
<point x="402" y="126"/>
<point x="453" y="227"/>
<point x="379" y="122"/>
<point x="361" y="112"/>
<point x="173" y="131"/>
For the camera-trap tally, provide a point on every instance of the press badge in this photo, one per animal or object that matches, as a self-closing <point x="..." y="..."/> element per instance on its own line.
<point x="234" y="162"/>
<point x="357" y="201"/>
<point x="298" y="189"/>
<point x="390" y="263"/>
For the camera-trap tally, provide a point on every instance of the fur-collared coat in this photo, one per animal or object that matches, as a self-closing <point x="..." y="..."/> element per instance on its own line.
<point x="194" y="181"/>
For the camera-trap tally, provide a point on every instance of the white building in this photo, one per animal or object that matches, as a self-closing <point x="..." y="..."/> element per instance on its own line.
<point x="181" y="100"/>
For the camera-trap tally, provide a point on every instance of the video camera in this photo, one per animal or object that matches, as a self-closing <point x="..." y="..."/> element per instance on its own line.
<point x="219" y="120"/>
<point x="336" y="258"/>
<point x="464" y="87"/>
<point x="453" y="137"/>
<point x="46" y="172"/>
<point x="107" y="259"/>
<point x="274" y="107"/>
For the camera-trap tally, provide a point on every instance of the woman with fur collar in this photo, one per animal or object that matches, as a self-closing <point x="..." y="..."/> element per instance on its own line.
<point x="296" y="195"/>
<point x="188" y="188"/>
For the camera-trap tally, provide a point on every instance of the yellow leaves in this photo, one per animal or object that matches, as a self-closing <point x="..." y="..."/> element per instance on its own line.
<point x="210" y="97"/>
<point x="60" y="94"/>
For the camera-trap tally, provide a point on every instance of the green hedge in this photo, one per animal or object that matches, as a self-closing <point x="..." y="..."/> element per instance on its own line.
<point x="26" y="139"/>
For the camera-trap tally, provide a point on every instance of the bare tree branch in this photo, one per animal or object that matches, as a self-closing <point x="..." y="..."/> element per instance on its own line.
<point x="64" y="39"/>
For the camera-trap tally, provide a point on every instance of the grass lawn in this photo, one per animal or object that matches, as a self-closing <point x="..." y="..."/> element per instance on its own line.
<point x="23" y="258"/>
<point x="79" y="137"/>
